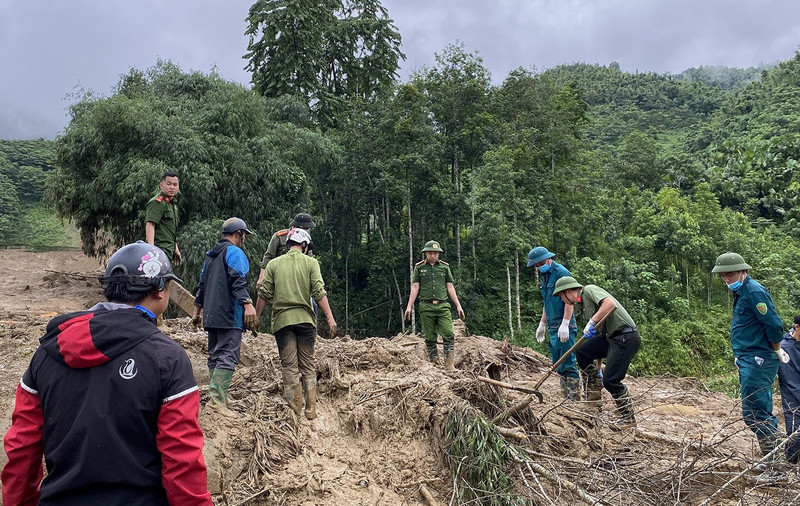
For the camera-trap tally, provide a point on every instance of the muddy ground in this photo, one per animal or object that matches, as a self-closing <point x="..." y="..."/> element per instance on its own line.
<point x="384" y="431"/>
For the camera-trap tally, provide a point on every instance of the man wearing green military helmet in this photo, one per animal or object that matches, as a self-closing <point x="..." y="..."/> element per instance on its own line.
<point x="615" y="339"/>
<point x="433" y="282"/>
<point x="756" y="335"/>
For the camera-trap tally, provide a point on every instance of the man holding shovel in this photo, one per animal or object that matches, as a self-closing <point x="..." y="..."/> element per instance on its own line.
<point x="557" y="322"/>
<point x="615" y="338"/>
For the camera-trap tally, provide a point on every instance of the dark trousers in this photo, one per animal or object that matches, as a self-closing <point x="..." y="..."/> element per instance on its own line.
<point x="223" y="348"/>
<point x="618" y="350"/>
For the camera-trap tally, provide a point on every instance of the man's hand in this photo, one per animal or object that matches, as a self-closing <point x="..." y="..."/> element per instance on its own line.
<point x="176" y="257"/>
<point x="589" y="331"/>
<point x="250" y="317"/>
<point x="460" y="312"/>
<point x="332" y="327"/>
<point x="407" y="314"/>
<point x="541" y="331"/>
<point x="197" y="318"/>
<point x="782" y="356"/>
<point x="563" y="330"/>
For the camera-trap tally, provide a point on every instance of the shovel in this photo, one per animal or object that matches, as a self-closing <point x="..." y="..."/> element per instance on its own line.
<point x="536" y="394"/>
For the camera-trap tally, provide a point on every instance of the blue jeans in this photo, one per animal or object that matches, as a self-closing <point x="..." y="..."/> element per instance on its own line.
<point x="756" y="383"/>
<point x="567" y="369"/>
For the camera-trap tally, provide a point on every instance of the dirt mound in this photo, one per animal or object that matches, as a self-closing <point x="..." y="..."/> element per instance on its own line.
<point x="394" y="429"/>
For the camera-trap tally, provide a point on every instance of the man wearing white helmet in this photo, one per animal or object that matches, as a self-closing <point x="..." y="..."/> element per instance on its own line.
<point x="290" y="282"/>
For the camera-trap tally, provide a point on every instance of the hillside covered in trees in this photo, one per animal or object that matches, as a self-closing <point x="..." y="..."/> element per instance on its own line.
<point x="636" y="181"/>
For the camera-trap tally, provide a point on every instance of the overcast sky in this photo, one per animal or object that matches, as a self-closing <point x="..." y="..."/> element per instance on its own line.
<point x="50" y="49"/>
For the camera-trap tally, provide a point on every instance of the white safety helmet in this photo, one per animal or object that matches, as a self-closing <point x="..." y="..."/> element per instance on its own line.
<point x="299" y="236"/>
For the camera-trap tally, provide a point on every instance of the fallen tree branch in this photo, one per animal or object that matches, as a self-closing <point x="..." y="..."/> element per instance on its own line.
<point x="504" y="385"/>
<point x="584" y="495"/>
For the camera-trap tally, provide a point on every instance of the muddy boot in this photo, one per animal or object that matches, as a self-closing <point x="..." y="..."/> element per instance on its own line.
<point x="626" y="419"/>
<point x="310" y="390"/>
<point x="774" y="467"/>
<point x="433" y="354"/>
<point x="294" y="396"/>
<point x="592" y="384"/>
<point x="573" y="389"/>
<point x="218" y="387"/>
<point x="449" y="360"/>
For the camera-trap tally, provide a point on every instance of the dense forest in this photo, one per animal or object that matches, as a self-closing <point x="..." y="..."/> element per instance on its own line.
<point x="636" y="181"/>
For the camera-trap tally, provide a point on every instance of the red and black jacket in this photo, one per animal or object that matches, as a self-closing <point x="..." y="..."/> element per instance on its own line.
<point x="112" y="404"/>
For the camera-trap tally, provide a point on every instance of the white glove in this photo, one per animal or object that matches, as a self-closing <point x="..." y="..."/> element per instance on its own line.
<point x="590" y="323"/>
<point x="563" y="331"/>
<point x="782" y="356"/>
<point x="541" y="331"/>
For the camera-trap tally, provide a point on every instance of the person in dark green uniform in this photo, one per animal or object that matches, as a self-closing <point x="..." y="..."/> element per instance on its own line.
<point x="161" y="218"/>
<point x="616" y="339"/>
<point x="433" y="282"/>
<point x="756" y="335"/>
<point x="278" y="242"/>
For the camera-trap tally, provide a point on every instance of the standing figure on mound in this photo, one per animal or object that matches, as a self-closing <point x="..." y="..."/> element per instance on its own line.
<point x="227" y="309"/>
<point x="278" y="242"/>
<point x="290" y="283"/>
<point x="616" y="339"/>
<point x="433" y="282"/>
<point x="109" y="401"/>
<point x="557" y="322"/>
<point x="756" y="335"/>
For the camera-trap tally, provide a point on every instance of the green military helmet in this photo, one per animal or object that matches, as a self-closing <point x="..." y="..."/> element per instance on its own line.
<point x="432" y="246"/>
<point x="565" y="283"/>
<point x="730" y="262"/>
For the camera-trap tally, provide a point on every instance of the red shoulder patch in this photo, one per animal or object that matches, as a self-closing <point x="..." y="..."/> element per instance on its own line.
<point x="283" y="232"/>
<point x="159" y="198"/>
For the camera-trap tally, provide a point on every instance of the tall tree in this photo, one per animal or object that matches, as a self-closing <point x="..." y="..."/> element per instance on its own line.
<point x="329" y="52"/>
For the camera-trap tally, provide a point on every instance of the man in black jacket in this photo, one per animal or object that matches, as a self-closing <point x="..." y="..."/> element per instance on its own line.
<point x="227" y="308"/>
<point x="110" y="402"/>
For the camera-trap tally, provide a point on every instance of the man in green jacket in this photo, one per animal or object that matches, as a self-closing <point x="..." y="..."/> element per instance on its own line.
<point x="290" y="282"/>
<point x="433" y="282"/>
<point x="616" y="340"/>
<point x="161" y="218"/>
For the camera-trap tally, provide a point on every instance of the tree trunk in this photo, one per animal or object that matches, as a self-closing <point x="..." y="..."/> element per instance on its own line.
<point x="346" y="291"/>
<point x="457" y="180"/>
<point x="510" y="320"/>
<point x="472" y="234"/>
<point x="516" y="284"/>
<point x="410" y="255"/>
<point x="554" y="205"/>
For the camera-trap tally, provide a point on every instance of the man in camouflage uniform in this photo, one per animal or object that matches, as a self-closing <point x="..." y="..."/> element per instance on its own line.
<point x="433" y="282"/>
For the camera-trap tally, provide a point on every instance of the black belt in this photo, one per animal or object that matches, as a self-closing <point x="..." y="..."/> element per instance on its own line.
<point x="624" y="330"/>
<point x="432" y="301"/>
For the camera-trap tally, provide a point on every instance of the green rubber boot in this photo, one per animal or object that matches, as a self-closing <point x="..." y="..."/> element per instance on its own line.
<point x="218" y="388"/>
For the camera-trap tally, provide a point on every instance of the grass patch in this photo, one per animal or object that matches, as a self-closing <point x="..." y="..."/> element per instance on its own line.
<point x="478" y="456"/>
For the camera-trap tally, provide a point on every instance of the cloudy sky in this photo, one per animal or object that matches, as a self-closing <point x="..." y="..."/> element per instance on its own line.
<point x="52" y="49"/>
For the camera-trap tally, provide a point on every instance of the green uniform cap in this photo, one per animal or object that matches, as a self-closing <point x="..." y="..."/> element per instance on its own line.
<point x="432" y="246"/>
<point x="730" y="262"/>
<point x="565" y="283"/>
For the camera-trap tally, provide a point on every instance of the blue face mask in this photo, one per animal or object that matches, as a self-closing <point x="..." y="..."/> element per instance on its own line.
<point x="735" y="285"/>
<point x="544" y="268"/>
